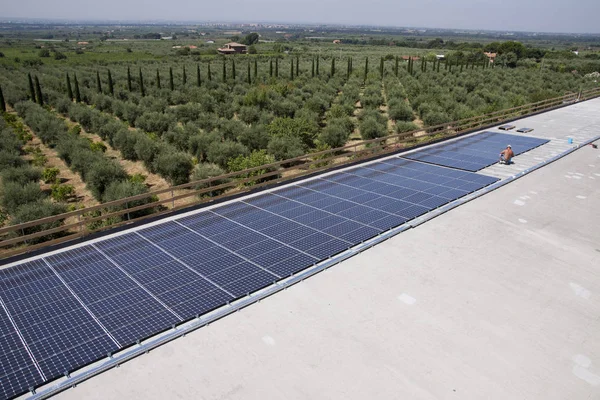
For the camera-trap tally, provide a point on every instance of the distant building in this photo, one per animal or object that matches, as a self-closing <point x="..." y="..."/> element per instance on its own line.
<point x="210" y="42"/>
<point x="576" y="52"/>
<point x="440" y="56"/>
<point x="83" y="43"/>
<point x="233" y="48"/>
<point x="490" y="56"/>
<point x="414" y="58"/>
<point x="337" y="41"/>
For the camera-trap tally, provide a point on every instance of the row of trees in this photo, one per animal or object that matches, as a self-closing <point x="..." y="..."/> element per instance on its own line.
<point x="105" y="178"/>
<point x="21" y="197"/>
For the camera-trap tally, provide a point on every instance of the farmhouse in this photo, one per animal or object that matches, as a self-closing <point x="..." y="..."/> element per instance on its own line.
<point x="233" y="48"/>
<point x="414" y="58"/>
<point x="490" y="56"/>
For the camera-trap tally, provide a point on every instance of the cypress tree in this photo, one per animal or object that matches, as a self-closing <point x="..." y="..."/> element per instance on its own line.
<point x="233" y="69"/>
<point x="98" y="83"/>
<point x="249" y="77"/>
<point x="224" y="72"/>
<point x="271" y="67"/>
<point x="348" y="71"/>
<point x="208" y="72"/>
<point x="424" y="65"/>
<point x="438" y="65"/>
<point x="128" y="79"/>
<point x="38" y="92"/>
<point x="77" y="92"/>
<point x="461" y="67"/>
<point x="313" y="68"/>
<point x="381" y="67"/>
<point x="171" y="82"/>
<point x="277" y="68"/>
<point x="396" y="66"/>
<point x="297" y="65"/>
<point x="158" y="79"/>
<point x="2" y="103"/>
<point x="317" y="65"/>
<point x="473" y="65"/>
<point x="69" y="89"/>
<point x="142" y="91"/>
<point x="366" y="69"/>
<point x="198" y="77"/>
<point x="184" y="81"/>
<point x="351" y="64"/>
<point x="111" y="89"/>
<point x="333" y="66"/>
<point x="291" y="69"/>
<point x="255" y="69"/>
<point x="31" y="88"/>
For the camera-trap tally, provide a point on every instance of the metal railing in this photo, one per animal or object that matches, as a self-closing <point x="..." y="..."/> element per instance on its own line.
<point x="76" y="224"/>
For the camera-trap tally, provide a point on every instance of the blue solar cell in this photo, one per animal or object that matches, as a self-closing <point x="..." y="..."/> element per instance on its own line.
<point x="277" y="254"/>
<point x="192" y="304"/>
<point x="342" y="228"/>
<point x="418" y="197"/>
<point x="295" y="232"/>
<point x="292" y="265"/>
<point x="19" y="381"/>
<point x="69" y="359"/>
<point x="369" y="216"/>
<point x="329" y="249"/>
<point x="310" y="241"/>
<point x="234" y="273"/>
<point x="360" y="235"/>
<point x="339" y="207"/>
<point x="388" y="222"/>
<point x="433" y="202"/>
<point x="282" y="228"/>
<point x="312" y="216"/>
<point x="251" y="283"/>
<point x="326" y="222"/>
<point x="296" y="212"/>
<point x="452" y="194"/>
<point x="413" y="212"/>
<point x="133" y="328"/>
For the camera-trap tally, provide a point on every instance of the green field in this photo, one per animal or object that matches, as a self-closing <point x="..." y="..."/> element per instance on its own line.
<point x="121" y="111"/>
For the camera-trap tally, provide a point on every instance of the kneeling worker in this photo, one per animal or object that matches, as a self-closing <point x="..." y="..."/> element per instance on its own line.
<point x="506" y="155"/>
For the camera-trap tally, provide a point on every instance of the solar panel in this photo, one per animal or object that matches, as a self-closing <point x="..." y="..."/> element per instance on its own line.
<point x="507" y="127"/>
<point x="63" y="311"/>
<point x="475" y="152"/>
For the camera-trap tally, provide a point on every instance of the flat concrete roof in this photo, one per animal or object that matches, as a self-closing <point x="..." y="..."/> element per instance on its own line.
<point x="496" y="299"/>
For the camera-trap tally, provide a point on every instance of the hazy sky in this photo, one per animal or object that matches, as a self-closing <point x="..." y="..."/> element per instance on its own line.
<point x="523" y="15"/>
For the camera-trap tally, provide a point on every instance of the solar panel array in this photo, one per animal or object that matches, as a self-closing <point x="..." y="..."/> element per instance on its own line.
<point x="474" y="153"/>
<point x="63" y="311"/>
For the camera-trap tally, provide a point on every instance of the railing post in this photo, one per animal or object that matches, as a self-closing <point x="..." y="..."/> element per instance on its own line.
<point x="80" y="223"/>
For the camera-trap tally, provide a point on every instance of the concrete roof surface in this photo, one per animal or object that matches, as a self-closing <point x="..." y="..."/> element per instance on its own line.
<point x="496" y="299"/>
